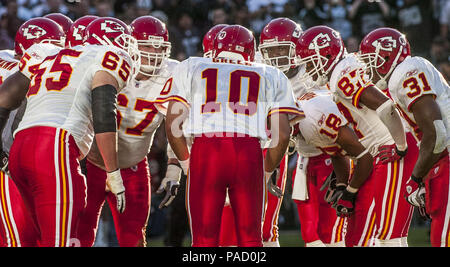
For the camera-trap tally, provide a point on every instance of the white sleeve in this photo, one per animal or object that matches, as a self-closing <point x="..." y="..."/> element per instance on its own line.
<point x="34" y="56"/>
<point x="177" y="87"/>
<point x="281" y="96"/>
<point x="116" y="62"/>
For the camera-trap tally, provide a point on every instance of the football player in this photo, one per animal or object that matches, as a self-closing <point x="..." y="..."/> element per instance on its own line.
<point x="422" y="95"/>
<point x="75" y="34"/>
<point x="319" y="223"/>
<point x="138" y="120"/>
<point x="227" y="129"/>
<point x="374" y="119"/>
<point x="16" y="228"/>
<point x="71" y="96"/>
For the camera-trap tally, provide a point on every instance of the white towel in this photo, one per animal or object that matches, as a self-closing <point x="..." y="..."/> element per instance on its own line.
<point x="300" y="189"/>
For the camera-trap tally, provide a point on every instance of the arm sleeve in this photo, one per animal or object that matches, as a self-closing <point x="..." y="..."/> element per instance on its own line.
<point x="281" y="97"/>
<point x="176" y="88"/>
<point x="34" y="56"/>
<point x="116" y="62"/>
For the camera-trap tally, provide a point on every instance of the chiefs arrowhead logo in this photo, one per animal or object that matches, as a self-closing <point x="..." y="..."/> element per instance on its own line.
<point x="77" y="32"/>
<point x="33" y="32"/>
<point x="111" y="26"/>
<point x="385" y="43"/>
<point x="322" y="40"/>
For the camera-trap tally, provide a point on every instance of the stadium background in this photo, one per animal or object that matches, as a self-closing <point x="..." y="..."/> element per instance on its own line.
<point x="426" y="24"/>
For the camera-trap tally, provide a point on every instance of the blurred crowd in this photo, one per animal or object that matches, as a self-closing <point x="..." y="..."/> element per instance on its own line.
<point x="426" y="24"/>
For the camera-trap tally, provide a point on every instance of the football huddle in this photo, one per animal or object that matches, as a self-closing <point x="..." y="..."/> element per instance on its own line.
<point x="370" y="131"/>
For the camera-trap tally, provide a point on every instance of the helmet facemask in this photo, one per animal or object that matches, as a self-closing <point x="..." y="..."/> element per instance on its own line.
<point x="318" y="66"/>
<point x="151" y="62"/>
<point x="282" y="62"/>
<point x="130" y="45"/>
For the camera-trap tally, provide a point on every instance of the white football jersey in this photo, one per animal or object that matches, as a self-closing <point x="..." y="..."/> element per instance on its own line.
<point x="413" y="78"/>
<point x="229" y="96"/>
<point x="8" y="66"/>
<point x="60" y="89"/>
<point x="138" y="118"/>
<point x="300" y="86"/>
<point x="347" y="84"/>
<point x="322" y="121"/>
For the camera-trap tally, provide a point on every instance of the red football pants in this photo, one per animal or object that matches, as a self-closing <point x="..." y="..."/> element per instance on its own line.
<point x="216" y="164"/>
<point x="437" y="201"/>
<point x="318" y="220"/>
<point x="44" y="165"/>
<point x="394" y="213"/>
<point x="16" y="227"/>
<point x="132" y="223"/>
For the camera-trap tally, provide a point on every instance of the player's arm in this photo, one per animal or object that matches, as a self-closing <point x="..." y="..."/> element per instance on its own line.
<point x="176" y="114"/>
<point x="429" y="119"/>
<point x="104" y="97"/>
<point x="280" y="134"/>
<point x="376" y="100"/>
<point x="171" y="181"/>
<point x="344" y="199"/>
<point x="12" y="92"/>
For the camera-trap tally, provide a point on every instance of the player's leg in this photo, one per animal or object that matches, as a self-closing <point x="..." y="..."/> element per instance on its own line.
<point x="438" y="202"/>
<point x="96" y="184"/>
<point x="247" y="191"/>
<point x="48" y="157"/>
<point x="330" y="228"/>
<point x="270" y="226"/>
<point x="211" y="163"/>
<point x="131" y="225"/>
<point x="16" y="226"/>
<point x="362" y="223"/>
<point x="394" y="212"/>
<point x="228" y="228"/>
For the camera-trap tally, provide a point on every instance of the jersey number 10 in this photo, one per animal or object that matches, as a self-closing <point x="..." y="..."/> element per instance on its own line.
<point x="234" y="91"/>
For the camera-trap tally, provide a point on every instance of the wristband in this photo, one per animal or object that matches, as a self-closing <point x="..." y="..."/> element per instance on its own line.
<point x="416" y="179"/>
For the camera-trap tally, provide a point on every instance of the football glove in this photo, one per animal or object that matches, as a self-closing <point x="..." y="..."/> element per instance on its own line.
<point x="330" y="184"/>
<point x="345" y="203"/>
<point x="272" y="178"/>
<point x="4" y="161"/>
<point x="170" y="185"/>
<point x="415" y="197"/>
<point x="390" y="153"/>
<point x="114" y="183"/>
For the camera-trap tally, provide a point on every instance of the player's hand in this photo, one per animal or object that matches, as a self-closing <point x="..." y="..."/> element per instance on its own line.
<point x="330" y="184"/>
<point x="345" y="203"/>
<point x="390" y="153"/>
<point x="170" y="185"/>
<point x="272" y="179"/>
<point x="415" y="197"/>
<point x="4" y="161"/>
<point x="114" y="183"/>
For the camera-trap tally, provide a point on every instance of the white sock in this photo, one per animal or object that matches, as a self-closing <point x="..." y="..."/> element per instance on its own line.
<point x="336" y="244"/>
<point x="317" y="244"/>
<point x="395" y="242"/>
<point x="270" y="244"/>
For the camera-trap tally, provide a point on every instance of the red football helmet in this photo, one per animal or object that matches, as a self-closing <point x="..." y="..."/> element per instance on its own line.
<point x="76" y="32"/>
<point x="64" y="21"/>
<point x="208" y="39"/>
<point x="235" y="42"/>
<point x="151" y="33"/>
<point x="383" y="49"/>
<point x="112" y="31"/>
<point x="106" y="31"/>
<point x="320" y="48"/>
<point x="278" y="33"/>
<point x="37" y="30"/>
